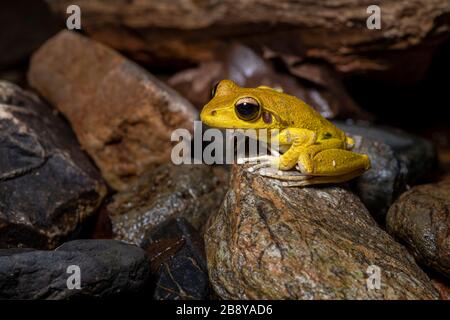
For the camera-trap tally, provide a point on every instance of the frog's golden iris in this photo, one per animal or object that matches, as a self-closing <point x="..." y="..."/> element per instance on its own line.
<point x="318" y="150"/>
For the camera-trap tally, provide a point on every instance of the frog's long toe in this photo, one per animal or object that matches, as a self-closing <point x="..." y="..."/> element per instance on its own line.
<point x="264" y="162"/>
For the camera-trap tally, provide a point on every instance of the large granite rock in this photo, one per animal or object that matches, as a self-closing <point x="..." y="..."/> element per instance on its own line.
<point x="177" y="256"/>
<point x="108" y="268"/>
<point x="48" y="186"/>
<point x="191" y="191"/>
<point x="269" y="242"/>
<point x="398" y="159"/>
<point x="420" y="219"/>
<point x="121" y="114"/>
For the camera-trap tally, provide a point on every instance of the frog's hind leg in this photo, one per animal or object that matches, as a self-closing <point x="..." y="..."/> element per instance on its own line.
<point x="329" y="166"/>
<point x="339" y="162"/>
<point x="334" y="166"/>
<point x="297" y="156"/>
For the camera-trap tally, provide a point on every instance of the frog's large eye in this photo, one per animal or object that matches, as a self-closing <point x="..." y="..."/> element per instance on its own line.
<point x="214" y="90"/>
<point x="247" y="109"/>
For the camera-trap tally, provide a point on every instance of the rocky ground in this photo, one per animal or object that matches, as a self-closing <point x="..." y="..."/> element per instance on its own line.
<point x="86" y="178"/>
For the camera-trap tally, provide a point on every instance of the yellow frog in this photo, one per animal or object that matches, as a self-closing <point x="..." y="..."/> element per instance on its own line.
<point x="308" y="142"/>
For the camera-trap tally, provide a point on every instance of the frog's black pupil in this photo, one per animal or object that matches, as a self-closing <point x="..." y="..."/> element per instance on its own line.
<point x="247" y="111"/>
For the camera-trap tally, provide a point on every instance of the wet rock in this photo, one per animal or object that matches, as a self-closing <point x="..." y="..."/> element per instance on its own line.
<point x="107" y="268"/>
<point x="48" y="186"/>
<point x="268" y="242"/>
<point x="191" y="191"/>
<point x="420" y="219"/>
<point x="177" y="256"/>
<point x="121" y="114"/>
<point x="398" y="160"/>
<point x="316" y="84"/>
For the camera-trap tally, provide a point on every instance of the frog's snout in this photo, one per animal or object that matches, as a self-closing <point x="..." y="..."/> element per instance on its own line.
<point x="207" y="115"/>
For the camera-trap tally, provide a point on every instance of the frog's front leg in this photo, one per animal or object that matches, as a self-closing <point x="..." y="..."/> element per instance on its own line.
<point x="297" y="139"/>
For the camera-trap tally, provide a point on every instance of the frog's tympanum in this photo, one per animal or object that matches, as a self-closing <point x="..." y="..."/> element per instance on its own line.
<point x="318" y="150"/>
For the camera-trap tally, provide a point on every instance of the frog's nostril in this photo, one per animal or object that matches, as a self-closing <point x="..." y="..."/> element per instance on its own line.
<point x="214" y="112"/>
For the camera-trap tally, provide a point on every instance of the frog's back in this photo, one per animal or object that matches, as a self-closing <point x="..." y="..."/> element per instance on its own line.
<point x="301" y="115"/>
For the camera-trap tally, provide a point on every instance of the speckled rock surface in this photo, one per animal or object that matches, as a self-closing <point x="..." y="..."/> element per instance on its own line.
<point x="191" y="191"/>
<point x="48" y="186"/>
<point x="420" y="219"/>
<point x="269" y="242"/>
<point x="122" y="115"/>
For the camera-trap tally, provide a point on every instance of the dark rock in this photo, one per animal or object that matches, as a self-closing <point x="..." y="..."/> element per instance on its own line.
<point x="420" y="219"/>
<point x="269" y="242"/>
<point x="398" y="160"/>
<point x="178" y="257"/>
<point x="48" y="186"/>
<point x="416" y="155"/>
<point x="378" y="187"/>
<point x="122" y="115"/>
<point x="191" y="191"/>
<point x="107" y="268"/>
